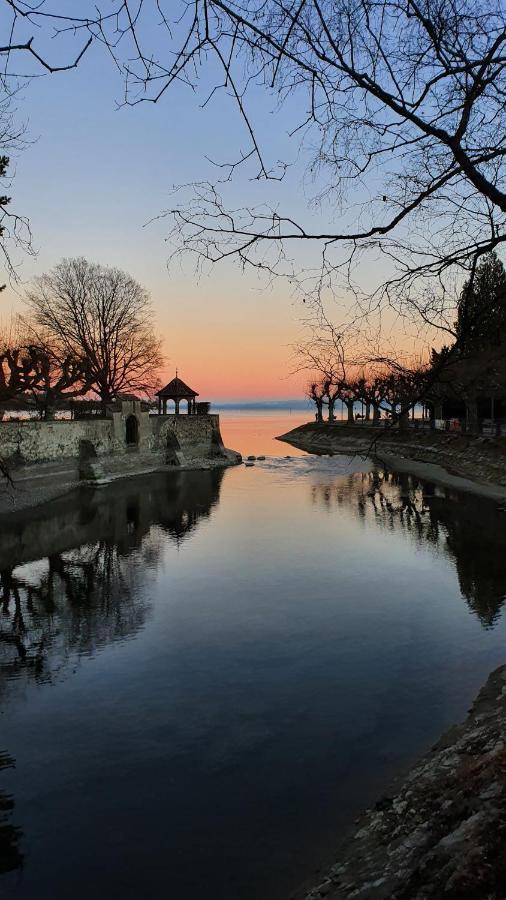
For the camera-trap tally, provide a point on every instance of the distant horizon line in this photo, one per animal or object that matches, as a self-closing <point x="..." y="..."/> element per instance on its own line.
<point x="294" y="403"/>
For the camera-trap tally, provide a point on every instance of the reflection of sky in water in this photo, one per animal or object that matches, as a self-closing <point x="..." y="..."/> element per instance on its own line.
<point x="257" y="655"/>
<point x="254" y="433"/>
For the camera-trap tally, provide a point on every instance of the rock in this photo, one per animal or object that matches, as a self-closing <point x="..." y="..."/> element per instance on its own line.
<point x="261" y="458"/>
<point x="249" y="464"/>
<point x="251" y="457"/>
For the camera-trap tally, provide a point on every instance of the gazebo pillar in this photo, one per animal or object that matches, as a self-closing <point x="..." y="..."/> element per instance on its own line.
<point x="159" y="406"/>
<point x="176" y="403"/>
<point x="164" y="406"/>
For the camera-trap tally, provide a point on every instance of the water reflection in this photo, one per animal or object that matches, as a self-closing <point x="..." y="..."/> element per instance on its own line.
<point x="434" y="515"/>
<point x="10" y="855"/>
<point x="81" y="593"/>
<point x="58" y="603"/>
<point x="241" y="690"/>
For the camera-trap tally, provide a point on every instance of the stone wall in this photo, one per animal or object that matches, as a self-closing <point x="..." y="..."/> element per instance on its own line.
<point x="195" y="436"/>
<point x="176" y="439"/>
<point x="34" y="441"/>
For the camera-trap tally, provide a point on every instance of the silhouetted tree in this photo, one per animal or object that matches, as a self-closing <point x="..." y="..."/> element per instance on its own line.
<point x="103" y="317"/>
<point x="481" y="314"/>
<point x="63" y="375"/>
<point x="10" y="854"/>
<point x="20" y="372"/>
<point x="402" y="96"/>
<point x="316" y="393"/>
<point x="41" y="374"/>
<point x="14" y="229"/>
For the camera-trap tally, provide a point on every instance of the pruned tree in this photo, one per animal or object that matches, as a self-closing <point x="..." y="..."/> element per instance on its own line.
<point x="62" y="377"/>
<point x="20" y="372"/>
<point x="372" y="392"/>
<point x="316" y="392"/>
<point x="99" y="318"/>
<point x="38" y="373"/>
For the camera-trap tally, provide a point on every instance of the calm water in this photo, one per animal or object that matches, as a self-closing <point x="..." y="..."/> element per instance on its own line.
<point x="205" y="675"/>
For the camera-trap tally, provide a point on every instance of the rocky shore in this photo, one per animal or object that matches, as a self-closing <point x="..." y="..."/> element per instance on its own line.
<point x="443" y="833"/>
<point x="467" y="462"/>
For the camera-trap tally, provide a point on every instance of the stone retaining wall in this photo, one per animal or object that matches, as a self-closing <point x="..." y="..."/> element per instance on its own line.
<point x="178" y="438"/>
<point x="33" y="441"/>
<point x="193" y="436"/>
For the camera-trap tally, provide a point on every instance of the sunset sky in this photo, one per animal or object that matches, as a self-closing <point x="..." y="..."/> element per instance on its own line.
<point x="94" y="175"/>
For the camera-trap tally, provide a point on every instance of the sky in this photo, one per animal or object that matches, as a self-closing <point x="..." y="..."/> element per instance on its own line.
<point x="94" y="180"/>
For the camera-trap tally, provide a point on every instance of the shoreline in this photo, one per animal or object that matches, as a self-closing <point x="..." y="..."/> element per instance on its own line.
<point x="441" y="833"/>
<point x="473" y="465"/>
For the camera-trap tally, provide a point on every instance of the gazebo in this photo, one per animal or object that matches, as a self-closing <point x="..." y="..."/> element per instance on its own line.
<point x="176" y="390"/>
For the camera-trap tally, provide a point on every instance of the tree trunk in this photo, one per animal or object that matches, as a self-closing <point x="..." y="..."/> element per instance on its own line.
<point x="376" y="415"/>
<point x="319" y="410"/>
<point x="332" y="404"/>
<point x="404" y="418"/>
<point x="367" y="411"/>
<point x="49" y="405"/>
<point x="472" y="421"/>
<point x="349" y="407"/>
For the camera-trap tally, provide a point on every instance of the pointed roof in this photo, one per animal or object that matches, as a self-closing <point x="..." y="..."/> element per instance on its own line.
<point x="176" y="390"/>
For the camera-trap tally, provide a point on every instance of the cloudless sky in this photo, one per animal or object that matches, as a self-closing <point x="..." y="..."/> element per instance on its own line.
<point x="94" y="175"/>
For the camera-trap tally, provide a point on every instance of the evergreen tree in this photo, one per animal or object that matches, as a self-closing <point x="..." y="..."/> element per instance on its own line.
<point x="481" y="315"/>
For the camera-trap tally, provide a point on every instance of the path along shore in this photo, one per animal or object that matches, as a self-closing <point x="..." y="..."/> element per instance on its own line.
<point x="441" y="834"/>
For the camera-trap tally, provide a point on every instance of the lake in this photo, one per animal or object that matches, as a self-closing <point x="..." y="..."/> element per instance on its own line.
<point x="205" y="676"/>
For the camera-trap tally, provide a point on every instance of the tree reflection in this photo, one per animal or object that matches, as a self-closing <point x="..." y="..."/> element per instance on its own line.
<point x="70" y="579"/>
<point x="467" y="529"/>
<point x="83" y="590"/>
<point x="10" y="855"/>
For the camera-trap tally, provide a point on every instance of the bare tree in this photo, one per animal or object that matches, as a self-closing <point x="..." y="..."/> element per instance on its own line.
<point x="400" y="108"/>
<point x="316" y="392"/>
<point x="20" y="372"/>
<point x="402" y="101"/>
<point x="14" y="228"/>
<point x="101" y="317"/>
<point x="62" y="377"/>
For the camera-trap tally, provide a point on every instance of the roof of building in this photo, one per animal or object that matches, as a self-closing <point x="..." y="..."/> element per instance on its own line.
<point x="176" y="389"/>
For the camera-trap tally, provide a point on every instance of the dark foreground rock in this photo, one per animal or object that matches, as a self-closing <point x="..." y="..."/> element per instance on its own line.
<point x="443" y="834"/>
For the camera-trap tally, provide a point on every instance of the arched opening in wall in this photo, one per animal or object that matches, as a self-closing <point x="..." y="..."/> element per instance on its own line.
<point x="132" y="431"/>
<point x="171" y="447"/>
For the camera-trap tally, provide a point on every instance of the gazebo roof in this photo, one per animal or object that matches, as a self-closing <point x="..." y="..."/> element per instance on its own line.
<point x="176" y="390"/>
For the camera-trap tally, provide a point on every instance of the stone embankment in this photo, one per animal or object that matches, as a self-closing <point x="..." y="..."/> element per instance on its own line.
<point x="443" y="834"/>
<point x="45" y="460"/>
<point x="468" y="462"/>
